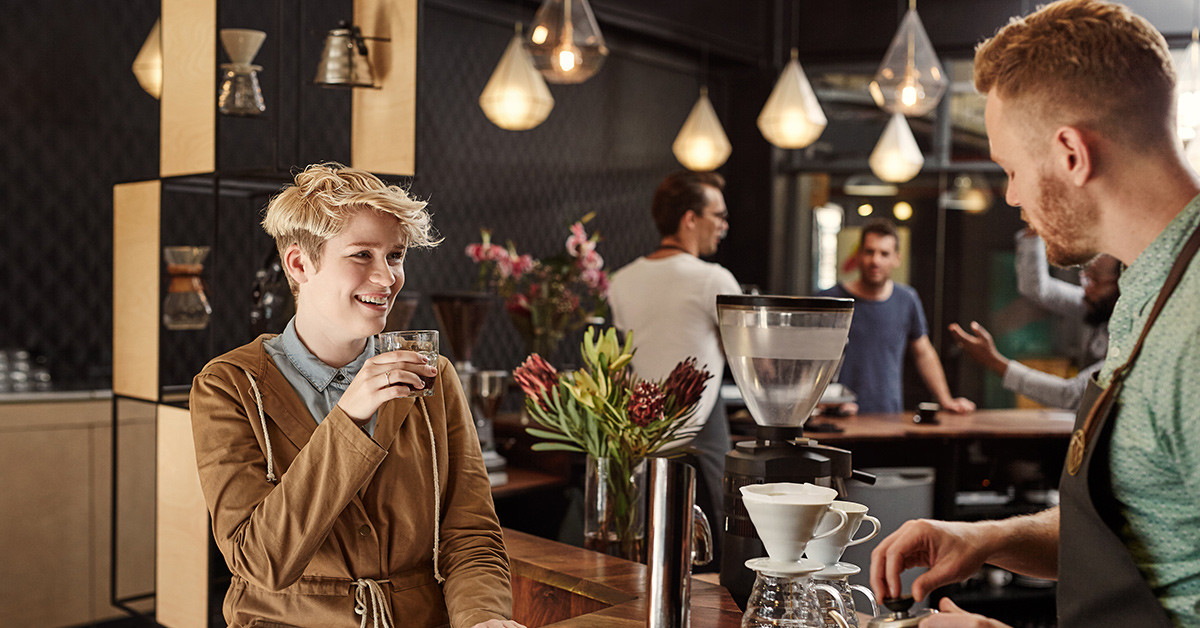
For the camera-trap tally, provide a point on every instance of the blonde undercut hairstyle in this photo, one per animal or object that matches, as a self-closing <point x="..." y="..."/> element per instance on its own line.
<point x="1094" y="65"/>
<point x="324" y="198"/>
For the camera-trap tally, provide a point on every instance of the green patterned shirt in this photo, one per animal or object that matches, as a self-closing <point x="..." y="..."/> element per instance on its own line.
<point x="1155" y="448"/>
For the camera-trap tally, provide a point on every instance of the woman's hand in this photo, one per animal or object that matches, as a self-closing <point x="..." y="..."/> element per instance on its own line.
<point x="498" y="623"/>
<point x="382" y="378"/>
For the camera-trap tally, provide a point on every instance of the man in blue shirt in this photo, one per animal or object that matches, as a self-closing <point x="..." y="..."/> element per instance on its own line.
<point x="888" y="319"/>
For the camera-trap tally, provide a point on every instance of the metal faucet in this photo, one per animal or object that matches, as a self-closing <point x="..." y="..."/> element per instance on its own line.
<point x="676" y="524"/>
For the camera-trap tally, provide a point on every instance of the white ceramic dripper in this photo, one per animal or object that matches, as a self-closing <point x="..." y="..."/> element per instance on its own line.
<point x="786" y="516"/>
<point x="242" y="44"/>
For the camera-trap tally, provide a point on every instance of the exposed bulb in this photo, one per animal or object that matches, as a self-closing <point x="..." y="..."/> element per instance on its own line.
<point x="539" y="35"/>
<point x="910" y="92"/>
<point x="566" y="58"/>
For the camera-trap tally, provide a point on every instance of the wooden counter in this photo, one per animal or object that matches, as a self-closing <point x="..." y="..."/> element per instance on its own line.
<point x="980" y="424"/>
<point x="561" y="585"/>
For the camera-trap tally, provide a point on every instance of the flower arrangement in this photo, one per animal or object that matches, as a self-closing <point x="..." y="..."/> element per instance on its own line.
<point x="545" y="298"/>
<point x="618" y="419"/>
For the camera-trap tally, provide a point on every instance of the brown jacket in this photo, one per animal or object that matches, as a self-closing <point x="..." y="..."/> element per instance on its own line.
<point x="345" y="507"/>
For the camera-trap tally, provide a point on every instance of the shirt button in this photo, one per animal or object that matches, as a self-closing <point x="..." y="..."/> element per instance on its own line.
<point x="365" y="530"/>
<point x="339" y="377"/>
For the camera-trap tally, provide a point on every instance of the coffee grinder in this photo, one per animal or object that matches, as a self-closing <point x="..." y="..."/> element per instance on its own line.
<point x="783" y="352"/>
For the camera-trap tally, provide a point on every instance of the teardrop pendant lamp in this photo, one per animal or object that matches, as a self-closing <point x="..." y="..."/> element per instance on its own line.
<point x="147" y="65"/>
<point x="792" y="117"/>
<point x="516" y="97"/>
<point x="702" y="144"/>
<point x="910" y="80"/>
<point x="896" y="157"/>
<point x="565" y="41"/>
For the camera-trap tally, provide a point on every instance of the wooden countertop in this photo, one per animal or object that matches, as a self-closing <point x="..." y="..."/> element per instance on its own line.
<point x="981" y="424"/>
<point x="563" y="586"/>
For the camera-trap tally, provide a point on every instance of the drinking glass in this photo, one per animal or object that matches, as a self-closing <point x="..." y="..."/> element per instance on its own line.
<point x="423" y="341"/>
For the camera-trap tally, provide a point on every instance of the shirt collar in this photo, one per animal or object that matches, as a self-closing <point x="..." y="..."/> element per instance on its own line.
<point x="319" y="374"/>
<point x="1142" y="280"/>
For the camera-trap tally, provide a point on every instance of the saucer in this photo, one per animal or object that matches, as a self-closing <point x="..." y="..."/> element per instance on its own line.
<point x="837" y="570"/>
<point x="773" y="567"/>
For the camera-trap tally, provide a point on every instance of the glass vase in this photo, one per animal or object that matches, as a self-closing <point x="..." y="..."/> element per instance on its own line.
<point x="614" y="521"/>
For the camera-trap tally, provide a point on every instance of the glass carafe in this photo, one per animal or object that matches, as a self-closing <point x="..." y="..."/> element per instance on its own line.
<point x="784" y="596"/>
<point x="836" y="577"/>
<point x="240" y="93"/>
<point x="186" y="305"/>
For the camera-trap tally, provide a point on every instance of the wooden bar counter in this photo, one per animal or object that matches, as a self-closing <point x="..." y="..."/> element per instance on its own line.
<point x="562" y="586"/>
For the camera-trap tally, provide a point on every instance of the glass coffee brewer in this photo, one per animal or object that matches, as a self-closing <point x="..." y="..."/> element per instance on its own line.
<point x="783" y="352"/>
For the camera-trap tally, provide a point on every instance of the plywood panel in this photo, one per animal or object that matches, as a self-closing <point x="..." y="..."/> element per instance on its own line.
<point x="188" y="103"/>
<point x="45" y="526"/>
<point x="135" y="289"/>
<point x="181" y="557"/>
<point x="383" y="121"/>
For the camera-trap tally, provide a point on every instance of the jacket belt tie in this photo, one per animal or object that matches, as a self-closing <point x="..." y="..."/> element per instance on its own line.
<point x="369" y="593"/>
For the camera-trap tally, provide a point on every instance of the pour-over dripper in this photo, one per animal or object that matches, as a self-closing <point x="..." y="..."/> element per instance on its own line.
<point x="461" y="316"/>
<point x="240" y="93"/>
<point x="786" y="516"/>
<point x="783" y="351"/>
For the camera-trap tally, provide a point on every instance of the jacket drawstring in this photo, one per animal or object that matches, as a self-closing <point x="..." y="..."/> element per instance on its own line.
<point x="437" y="492"/>
<point x="369" y="590"/>
<point x="266" y="435"/>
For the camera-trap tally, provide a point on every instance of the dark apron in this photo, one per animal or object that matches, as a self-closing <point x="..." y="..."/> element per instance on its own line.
<point x="1098" y="582"/>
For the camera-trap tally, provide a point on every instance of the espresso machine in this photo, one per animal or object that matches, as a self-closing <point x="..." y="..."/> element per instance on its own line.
<point x="461" y="316"/>
<point x="783" y="352"/>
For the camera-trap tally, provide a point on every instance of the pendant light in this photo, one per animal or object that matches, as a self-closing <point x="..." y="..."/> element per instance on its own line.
<point x="896" y="157"/>
<point x="565" y="42"/>
<point x="516" y="97"/>
<point x="792" y="117"/>
<point x="910" y="80"/>
<point x="702" y="144"/>
<point x="148" y="64"/>
<point x="967" y="193"/>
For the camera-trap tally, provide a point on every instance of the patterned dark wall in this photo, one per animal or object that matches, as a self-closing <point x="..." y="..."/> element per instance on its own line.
<point x="76" y="122"/>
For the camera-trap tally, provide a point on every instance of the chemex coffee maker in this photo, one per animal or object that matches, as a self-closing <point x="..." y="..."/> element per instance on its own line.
<point x="783" y="352"/>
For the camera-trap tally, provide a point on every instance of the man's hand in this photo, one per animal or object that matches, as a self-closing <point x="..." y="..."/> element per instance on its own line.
<point x="981" y="347"/>
<point x="953" y="551"/>
<point x="498" y="623"/>
<point x="958" y="405"/>
<point x="951" y="616"/>
<point x="382" y="378"/>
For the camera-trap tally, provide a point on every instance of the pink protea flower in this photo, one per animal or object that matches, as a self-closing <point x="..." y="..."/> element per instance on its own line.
<point x="536" y="376"/>
<point x="518" y="304"/>
<point x="495" y="253"/>
<point x="476" y="252"/>
<point x="646" y="404"/>
<point x="686" y="383"/>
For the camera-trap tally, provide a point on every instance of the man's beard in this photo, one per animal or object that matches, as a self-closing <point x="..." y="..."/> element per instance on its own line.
<point x="1098" y="312"/>
<point x="1066" y="221"/>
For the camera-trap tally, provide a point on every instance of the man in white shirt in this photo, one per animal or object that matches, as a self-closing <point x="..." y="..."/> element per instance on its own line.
<point x="668" y="299"/>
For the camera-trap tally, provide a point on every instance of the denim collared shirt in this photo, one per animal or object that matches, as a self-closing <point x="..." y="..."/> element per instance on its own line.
<point x="1155" y="449"/>
<point x="319" y="385"/>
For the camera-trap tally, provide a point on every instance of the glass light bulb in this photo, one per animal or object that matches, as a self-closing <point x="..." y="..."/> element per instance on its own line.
<point x="566" y="59"/>
<point x="865" y="209"/>
<point x="539" y="35"/>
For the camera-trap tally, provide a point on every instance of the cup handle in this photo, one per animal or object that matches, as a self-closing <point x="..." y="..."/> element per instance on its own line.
<point x="874" y="531"/>
<point x="867" y="594"/>
<point x="838" y="619"/>
<point x="834" y="528"/>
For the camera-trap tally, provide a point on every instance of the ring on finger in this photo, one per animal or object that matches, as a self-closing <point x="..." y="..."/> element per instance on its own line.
<point x="387" y="375"/>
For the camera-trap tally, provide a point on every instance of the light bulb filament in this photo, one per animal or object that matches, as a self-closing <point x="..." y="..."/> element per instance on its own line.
<point x="567" y="60"/>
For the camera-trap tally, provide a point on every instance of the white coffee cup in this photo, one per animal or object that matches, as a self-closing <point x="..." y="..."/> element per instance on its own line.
<point x="786" y="516"/>
<point x="828" y="548"/>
